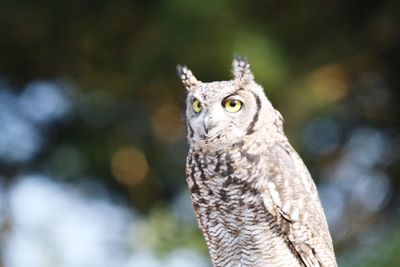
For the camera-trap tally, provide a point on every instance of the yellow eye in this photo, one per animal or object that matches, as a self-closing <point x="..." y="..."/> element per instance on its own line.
<point x="232" y="105"/>
<point x="196" y="105"/>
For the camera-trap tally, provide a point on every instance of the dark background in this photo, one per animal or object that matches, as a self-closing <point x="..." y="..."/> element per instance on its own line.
<point x="92" y="136"/>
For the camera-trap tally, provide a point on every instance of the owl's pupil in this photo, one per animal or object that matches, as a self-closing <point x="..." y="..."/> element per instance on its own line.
<point x="232" y="104"/>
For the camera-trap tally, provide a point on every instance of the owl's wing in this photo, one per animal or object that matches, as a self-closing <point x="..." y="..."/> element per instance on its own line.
<point x="290" y="194"/>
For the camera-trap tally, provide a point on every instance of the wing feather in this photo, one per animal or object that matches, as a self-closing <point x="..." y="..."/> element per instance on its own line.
<point x="289" y="193"/>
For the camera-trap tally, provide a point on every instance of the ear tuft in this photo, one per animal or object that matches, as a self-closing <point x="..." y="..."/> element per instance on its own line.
<point x="241" y="69"/>
<point x="187" y="77"/>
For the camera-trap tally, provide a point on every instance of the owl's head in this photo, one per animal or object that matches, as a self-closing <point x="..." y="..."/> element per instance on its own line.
<point x="220" y="114"/>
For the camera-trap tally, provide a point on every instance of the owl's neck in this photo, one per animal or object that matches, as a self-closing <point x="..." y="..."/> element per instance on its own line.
<point x="248" y="143"/>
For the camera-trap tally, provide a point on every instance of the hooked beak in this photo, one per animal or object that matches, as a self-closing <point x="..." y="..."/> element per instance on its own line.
<point x="207" y="124"/>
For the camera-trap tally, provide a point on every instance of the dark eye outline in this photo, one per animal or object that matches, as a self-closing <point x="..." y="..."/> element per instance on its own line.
<point x="197" y="108"/>
<point x="234" y="99"/>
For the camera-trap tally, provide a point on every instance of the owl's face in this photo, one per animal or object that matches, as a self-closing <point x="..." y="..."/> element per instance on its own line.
<point x="220" y="114"/>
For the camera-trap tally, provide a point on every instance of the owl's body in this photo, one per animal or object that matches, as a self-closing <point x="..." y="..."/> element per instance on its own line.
<point x="255" y="201"/>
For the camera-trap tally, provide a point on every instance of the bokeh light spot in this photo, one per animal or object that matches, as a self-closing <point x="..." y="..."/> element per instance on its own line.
<point x="44" y="102"/>
<point x="329" y="83"/>
<point x="167" y="124"/>
<point x="372" y="191"/>
<point x="20" y="139"/>
<point x="129" y="166"/>
<point x="54" y="224"/>
<point x="321" y="136"/>
<point x="367" y="147"/>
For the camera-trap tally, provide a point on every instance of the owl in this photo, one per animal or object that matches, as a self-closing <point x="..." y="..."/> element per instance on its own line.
<point x="255" y="201"/>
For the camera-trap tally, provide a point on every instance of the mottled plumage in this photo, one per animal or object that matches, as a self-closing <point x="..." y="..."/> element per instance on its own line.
<point x="255" y="200"/>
